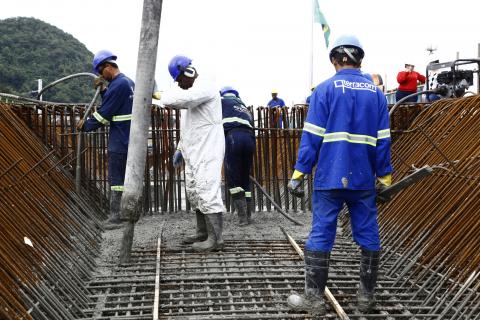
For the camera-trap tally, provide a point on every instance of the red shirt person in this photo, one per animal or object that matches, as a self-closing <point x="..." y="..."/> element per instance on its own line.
<point x="408" y="81"/>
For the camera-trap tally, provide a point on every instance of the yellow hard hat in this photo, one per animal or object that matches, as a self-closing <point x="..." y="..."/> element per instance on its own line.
<point x="274" y="91"/>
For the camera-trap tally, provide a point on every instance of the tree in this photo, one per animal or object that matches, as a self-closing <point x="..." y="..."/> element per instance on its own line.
<point x="31" y="49"/>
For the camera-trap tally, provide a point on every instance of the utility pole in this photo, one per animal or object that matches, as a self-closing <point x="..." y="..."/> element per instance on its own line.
<point x="39" y="88"/>
<point x="142" y="100"/>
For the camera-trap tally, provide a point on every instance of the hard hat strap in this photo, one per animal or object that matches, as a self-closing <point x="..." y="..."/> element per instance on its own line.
<point x="189" y="71"/>
<point x="347" y="51"/>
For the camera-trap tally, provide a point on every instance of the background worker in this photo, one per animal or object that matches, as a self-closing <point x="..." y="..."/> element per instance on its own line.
<point x="116" y="110"/>
<point x="276" y="102"/>
<point x="347" y="136"/>
<point x="202" y="147"/>
<point x="408" y="81"/>
<point x="239" y="150"/>
<point x="276" y="115"/>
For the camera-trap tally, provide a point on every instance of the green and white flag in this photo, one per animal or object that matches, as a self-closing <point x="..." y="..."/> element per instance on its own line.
<point x="319" y="18"/>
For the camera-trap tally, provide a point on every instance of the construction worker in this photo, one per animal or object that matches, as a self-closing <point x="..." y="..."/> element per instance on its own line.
<point x="239" y="150"/>
<point x="201" y="147"/>
<point x="347" y="136"/>
<point x="116" y="110"/>
<point x="408" y="81"/>
<point x="276" y="116"/>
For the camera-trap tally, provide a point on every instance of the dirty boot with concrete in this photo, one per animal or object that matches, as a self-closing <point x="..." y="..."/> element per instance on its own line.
<point x="114" y="221"/>
<point x="250" y="209"/>
<point x="368" y="280"/>
<point x="316" y="275"/>
<point x="214" y="242"/>
<point x="240" y="204"/>
<point x="201" y="233"/>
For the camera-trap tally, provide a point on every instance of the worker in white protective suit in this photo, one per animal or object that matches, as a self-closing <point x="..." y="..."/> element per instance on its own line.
<point x="202" y="148"/>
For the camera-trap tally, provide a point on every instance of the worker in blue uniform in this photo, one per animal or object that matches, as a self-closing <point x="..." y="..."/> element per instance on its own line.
<point x="116" y="110"/>
<point x="276" y="114"/>
<point x="239" y="151"/>
<point x="347" y="136"/>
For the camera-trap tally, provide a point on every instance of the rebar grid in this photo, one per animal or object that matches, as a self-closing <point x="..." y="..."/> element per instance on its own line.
<point x="254" y="278"/>
<point x="49" y="235"/>
<point x="431" y="229"/>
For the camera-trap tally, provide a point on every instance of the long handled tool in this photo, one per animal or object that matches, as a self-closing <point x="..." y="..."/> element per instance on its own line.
<point x="78" y="168"/>
<point x="279" y="209"/>
<point x="386" y="194"/>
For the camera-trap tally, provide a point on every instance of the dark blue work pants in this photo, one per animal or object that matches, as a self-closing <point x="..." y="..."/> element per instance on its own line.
<point x="239" y="150"/>
<point x="402" y="94"/>
<point x="117" y="163"/>
<point x="327" y="204"/>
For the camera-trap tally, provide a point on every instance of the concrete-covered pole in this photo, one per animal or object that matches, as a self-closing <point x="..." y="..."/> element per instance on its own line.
<point x="142" y="100"/>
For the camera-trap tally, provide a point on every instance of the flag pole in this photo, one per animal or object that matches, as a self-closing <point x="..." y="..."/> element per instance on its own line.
<point x="312" y="8"/>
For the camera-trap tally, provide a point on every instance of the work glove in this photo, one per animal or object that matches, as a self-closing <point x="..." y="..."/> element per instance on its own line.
<point x="177" y="159"/>
<point x="295" y="183"/>
<point x="81" y="125"/>
<point x="157" y="95"/>
<point x="383" y="182"/>
<point x="100" y="82"/>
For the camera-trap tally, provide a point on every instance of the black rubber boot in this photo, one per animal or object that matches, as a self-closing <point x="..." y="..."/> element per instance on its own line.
<point x="214" y="242"/>
<point x="250" y="209"/>
<point x="368" y="279"/>
<point x="201" y="234"/>
<point x="114" y="221"/>
<point x="240" y="204"/>
<point x="316" y="275"/>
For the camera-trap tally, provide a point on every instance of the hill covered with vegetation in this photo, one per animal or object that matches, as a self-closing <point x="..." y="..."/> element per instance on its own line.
<point x="31" y="49"/>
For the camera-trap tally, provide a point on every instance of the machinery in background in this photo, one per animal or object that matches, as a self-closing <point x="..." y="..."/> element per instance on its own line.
<point x="453" y="82"/>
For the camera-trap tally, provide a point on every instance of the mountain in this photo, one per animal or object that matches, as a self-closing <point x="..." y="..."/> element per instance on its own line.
<point x="31" y="49"/>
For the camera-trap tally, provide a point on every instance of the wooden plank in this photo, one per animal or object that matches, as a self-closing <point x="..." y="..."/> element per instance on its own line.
<point x="156" y="301"/>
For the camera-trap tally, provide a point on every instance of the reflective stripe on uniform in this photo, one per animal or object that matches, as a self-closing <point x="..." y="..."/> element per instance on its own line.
<point x="236" y="190"/>
<point x="383" y="134"/>
<point x="313" y="129"/>
<point x="236" y="119"/>
<point x="124" y="117"/>
<point x="248" y="194"/>
<point x="116" y="188"/>
<point x="100" y="118"/>
<point x="350" y="137"/>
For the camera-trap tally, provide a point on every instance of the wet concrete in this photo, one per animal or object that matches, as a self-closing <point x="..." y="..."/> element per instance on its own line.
<point x="265" y="225"/>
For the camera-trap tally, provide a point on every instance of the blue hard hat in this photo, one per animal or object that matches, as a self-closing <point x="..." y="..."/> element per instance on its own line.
<point x="347" y="41"/>
<point x="100" y="57"/>
<point x="177" y="65"/>
<point x="228" y="89"/>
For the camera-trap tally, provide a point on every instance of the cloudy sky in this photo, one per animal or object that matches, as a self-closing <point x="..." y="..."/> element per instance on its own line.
<point x="258" y="45"/>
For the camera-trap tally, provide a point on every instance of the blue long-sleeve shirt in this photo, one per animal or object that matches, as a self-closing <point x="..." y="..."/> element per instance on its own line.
<point x="346" y="134"/>
<point x="116" y="109"/>
<point x="277" y="102"/>
<point x="235" y="114"/>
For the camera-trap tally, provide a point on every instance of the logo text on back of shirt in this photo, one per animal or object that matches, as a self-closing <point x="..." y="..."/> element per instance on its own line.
<point x="344" y="84"/>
